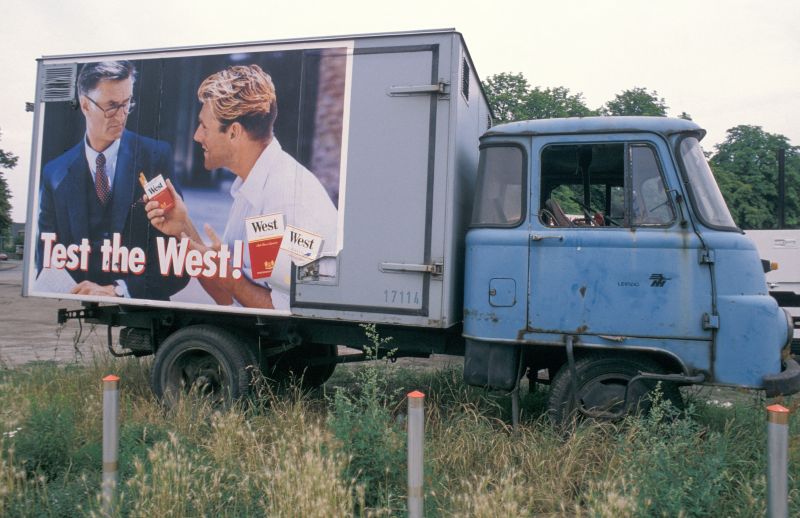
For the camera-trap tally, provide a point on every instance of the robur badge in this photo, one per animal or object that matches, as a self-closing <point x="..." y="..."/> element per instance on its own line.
<point x="658" y="280"/>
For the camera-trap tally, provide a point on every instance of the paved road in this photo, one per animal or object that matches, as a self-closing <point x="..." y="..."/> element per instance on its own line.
<point x="29" y="330"/>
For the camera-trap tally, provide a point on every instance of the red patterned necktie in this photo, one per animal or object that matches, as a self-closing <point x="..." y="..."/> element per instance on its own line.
<point x="101" y="180"/>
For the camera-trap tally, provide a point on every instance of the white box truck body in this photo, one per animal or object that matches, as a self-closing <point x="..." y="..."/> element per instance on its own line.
<point x="387" y="125"/>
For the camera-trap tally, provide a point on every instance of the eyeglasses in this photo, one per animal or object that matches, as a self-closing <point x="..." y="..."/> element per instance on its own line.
<point x="108" y="113"/>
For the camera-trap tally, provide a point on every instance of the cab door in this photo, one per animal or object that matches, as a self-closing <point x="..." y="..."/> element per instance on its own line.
<point x="496" y="284"/>
<point x="610" y="253"/>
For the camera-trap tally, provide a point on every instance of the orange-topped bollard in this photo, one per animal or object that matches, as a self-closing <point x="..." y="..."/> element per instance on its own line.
<point x="777" y="461"/>
<point x="416" y="440"/>
<point x="110" y="442"/>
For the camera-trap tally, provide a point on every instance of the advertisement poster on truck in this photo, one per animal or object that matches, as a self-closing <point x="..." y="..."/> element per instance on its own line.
<point x="209" y="179"/>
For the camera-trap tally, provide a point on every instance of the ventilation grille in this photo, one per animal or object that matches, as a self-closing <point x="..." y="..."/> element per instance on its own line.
<point x="465" y="79"/>
<point x="59" y="83"/>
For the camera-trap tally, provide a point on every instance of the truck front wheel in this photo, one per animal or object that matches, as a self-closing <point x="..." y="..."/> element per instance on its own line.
<point x="203" y="360"/>
<point x="601" y="382"/>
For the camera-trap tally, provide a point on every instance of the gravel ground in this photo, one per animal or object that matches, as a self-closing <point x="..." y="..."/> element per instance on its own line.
<point x="29" y="330"/>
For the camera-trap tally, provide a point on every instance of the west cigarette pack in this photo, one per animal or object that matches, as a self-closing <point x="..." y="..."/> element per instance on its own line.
<point x="156" y="189"/>
<point x="264" y="236"/>
<point x="301" y="245"/>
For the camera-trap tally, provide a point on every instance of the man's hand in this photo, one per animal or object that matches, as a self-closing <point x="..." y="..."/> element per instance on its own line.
<point x="221" y="290"/>
<point x="226" y="290"/>
<point x="216" y="243"/>
<point x="91" y="288"/>
<point x="171" y="223"/>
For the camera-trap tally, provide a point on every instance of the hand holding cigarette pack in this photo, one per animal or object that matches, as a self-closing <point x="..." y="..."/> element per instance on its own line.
<point x="156" y="189"/>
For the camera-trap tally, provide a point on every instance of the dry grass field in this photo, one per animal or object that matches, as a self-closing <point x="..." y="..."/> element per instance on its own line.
<point x="340" y="450"/>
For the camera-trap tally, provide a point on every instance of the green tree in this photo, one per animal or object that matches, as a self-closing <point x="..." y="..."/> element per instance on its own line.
<point x="507" y="93"/>
<point x="554" y="103"/>
<point x="746" y="168"/>
<point x="636" y="101"/>
<point x="512" y="98"/>
<point x="7" y="161"/>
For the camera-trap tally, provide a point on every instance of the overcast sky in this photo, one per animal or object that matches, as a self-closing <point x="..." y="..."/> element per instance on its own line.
<point x="723" y="62"/>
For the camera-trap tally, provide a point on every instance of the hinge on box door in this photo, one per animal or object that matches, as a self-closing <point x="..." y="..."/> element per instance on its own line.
<point x="710" y="321"/>
<point x="435" y="269"/>
<point x="442" y="88"/>
<point x="706" y="256"/>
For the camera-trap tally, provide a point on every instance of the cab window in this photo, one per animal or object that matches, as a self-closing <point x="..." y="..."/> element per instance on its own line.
<point x="500" y="193"/>
<point x="650" y="200"/>
<point x="603" y="185"/>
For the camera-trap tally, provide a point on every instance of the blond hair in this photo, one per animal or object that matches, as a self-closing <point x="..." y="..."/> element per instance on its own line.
<point x="243" y="94"/>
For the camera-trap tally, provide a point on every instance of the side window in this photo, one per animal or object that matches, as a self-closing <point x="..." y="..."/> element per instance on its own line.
<point x="583" y="185"/>
<point x="602" y="185"/>
<point x="500" y="193"/>
<point x="651" y="204"/>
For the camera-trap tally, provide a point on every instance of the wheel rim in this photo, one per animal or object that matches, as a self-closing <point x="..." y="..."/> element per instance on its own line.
<point x="197" y="372"/>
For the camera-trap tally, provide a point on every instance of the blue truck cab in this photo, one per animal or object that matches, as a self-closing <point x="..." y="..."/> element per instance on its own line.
<point x="601" y="250"/>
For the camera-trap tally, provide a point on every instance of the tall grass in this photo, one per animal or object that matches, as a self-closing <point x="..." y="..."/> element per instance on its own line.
<point x="340" y="451"/>
<point x="362" y="420"/>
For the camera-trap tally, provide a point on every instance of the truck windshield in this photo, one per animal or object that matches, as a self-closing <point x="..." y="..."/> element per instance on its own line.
<point x="705" y="194"/>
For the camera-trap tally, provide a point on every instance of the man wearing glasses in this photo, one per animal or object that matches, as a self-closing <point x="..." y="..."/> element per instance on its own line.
<point x="93" y="190"/>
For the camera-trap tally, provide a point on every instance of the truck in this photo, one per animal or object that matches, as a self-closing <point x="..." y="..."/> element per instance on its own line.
<point x="780" y="252"/>
<point x="596" y="254"/>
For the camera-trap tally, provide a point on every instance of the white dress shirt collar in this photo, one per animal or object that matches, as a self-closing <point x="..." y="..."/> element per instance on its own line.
<point x="111" y="153"/>
<point x="253" y="187"/>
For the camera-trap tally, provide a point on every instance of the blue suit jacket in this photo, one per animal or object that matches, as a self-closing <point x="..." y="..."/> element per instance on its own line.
<point x="64" y="209"/>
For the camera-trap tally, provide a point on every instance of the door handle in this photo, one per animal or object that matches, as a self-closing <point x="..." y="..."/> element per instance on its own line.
<point x="539" y="237"/>
<point x="440" y="88"/>
<point x="435" y="269"/>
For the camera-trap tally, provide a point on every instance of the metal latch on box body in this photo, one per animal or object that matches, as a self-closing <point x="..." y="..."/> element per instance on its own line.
<point x="435" y="269"/>
<point x="442" y="88"/>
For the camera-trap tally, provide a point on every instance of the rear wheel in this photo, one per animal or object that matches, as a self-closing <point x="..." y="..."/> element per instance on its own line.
<point x="601" y="383"/>
<point x="203" y="360"/>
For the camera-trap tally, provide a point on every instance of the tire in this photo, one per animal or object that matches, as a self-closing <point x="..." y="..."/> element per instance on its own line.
<point x="601" y="384"/>
<point x="204" y="360"/>
<point x="312" y="364"/>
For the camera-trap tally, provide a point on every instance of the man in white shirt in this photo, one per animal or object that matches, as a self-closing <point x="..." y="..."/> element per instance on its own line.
<point x="235" y="130"/>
